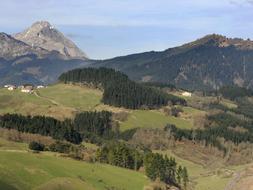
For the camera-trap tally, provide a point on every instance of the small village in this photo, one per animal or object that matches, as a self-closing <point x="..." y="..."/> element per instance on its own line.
<point x="27" y="88"/>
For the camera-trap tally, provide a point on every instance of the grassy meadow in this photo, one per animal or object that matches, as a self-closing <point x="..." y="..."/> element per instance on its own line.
<point x="20" y="169"/>
<point x="81" y="98"/>
<point x="158" y="119"/>
<point x="204" y="177"/>
<point x="59" y="101"/>
<point x="63" y="101"/>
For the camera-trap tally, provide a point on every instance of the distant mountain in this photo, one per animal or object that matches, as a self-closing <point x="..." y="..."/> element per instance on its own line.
<point x="43" y="34"/>
<point x="11" y="48"/>
<point x="207" y="63"/>
<point x="37" y="56"/>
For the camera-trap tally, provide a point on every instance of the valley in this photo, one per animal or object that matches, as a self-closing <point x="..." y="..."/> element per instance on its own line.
<point x="65" y="101"/>
<point x="178" y="119"/>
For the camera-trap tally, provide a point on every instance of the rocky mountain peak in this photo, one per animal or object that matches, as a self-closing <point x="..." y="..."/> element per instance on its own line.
<point x="43" y="34"/>
<point x="41" y="24"/>
<point x="11" y="48"/>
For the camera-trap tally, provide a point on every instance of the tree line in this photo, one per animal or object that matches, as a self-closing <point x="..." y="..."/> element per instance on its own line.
<point x="156" y="165"/>
<point x="119" y="154"/>
<point x="119" y="90"/>
<point x="234" y="92"/>
<point x="160" y="85"/>
<point x="166" y="169"/>
<point x="222" y="125"/>
<point x="46" y="126"/>
<point x="96" y="123"/>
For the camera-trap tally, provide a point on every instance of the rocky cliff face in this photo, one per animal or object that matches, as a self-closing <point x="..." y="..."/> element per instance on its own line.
<point x="11" y="48"/>
<point x="42" y="34"/>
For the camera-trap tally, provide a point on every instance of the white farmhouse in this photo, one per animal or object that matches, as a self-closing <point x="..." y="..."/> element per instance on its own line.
<point x="27" y="89"/>
<point x="11" y="87"/>
<point x="186" y="94"/>
<point x="8" y="85"/>
<point x="40" y="86"/>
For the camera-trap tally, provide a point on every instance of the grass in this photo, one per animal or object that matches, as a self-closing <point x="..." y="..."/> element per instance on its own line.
<point x="45" y="171"/>
<point x="65" y="183"/>
<point x="153" y="119"/>
<point x="228" y="103"/>
<point x="194" y="169"/>
<point x="20" y="169"/>
<point x="29" y="104"/>
<point x="202" y="178"/>
<point x="81" y="98"/>
<point x="193" y="111"/>
<point x="59" y="101"/>
<point x="213" y="182"/>
<point x="9" y="145"/>
<point x="64" y="101"/>
<point x="18" y="102"/>
<point x="214" y="176"/>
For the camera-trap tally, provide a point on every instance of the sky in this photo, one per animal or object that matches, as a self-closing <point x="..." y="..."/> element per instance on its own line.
<point x="109" y="28"/>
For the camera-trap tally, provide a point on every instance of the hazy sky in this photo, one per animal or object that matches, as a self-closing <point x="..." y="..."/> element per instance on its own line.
<point x="108" y="28"/>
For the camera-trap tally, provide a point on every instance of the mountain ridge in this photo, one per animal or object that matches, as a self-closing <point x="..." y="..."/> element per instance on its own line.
<point x="206" y="63"/>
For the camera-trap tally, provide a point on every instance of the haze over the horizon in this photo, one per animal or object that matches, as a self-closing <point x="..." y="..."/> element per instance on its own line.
<point x="109" y="28"/>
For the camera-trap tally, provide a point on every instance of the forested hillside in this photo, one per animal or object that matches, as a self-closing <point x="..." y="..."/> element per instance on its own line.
<point x="119" y="90"/>
<point x="207" y="63"/>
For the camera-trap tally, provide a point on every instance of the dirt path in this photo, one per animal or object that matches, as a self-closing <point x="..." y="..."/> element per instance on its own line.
<point x="233" y="181"/>
<point x="48" y="99"/>
<point x="11" y="150"/>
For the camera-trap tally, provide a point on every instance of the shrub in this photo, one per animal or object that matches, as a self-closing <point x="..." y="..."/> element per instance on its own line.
<point x="36" y="146"/>
<point x="61" y="147"/>
<point x="175" y="111"/>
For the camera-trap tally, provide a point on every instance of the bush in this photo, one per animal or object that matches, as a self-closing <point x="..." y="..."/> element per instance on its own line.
<point x="36" y="146"/>
<point x="175" y="111"/>
<point x="61" y="147"/>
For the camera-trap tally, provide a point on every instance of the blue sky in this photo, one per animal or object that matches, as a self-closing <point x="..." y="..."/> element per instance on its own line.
<point x="109" y="28"/>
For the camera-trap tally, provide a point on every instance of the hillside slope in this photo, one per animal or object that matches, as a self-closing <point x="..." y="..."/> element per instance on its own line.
<point x="207" y="63"/>
<point x="208" y="169"/>
<point x="21" y="169"/>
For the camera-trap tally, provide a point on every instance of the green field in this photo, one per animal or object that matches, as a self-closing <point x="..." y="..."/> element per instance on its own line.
<point x="63" y="101"/>
<point x="16" y="101"/>
<point x="204" y="177"/>
<point x="20" y="169"/>
<point x="59" y="101"/>
<point x="153" y="119"/>
<point x="81" y="98"/>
